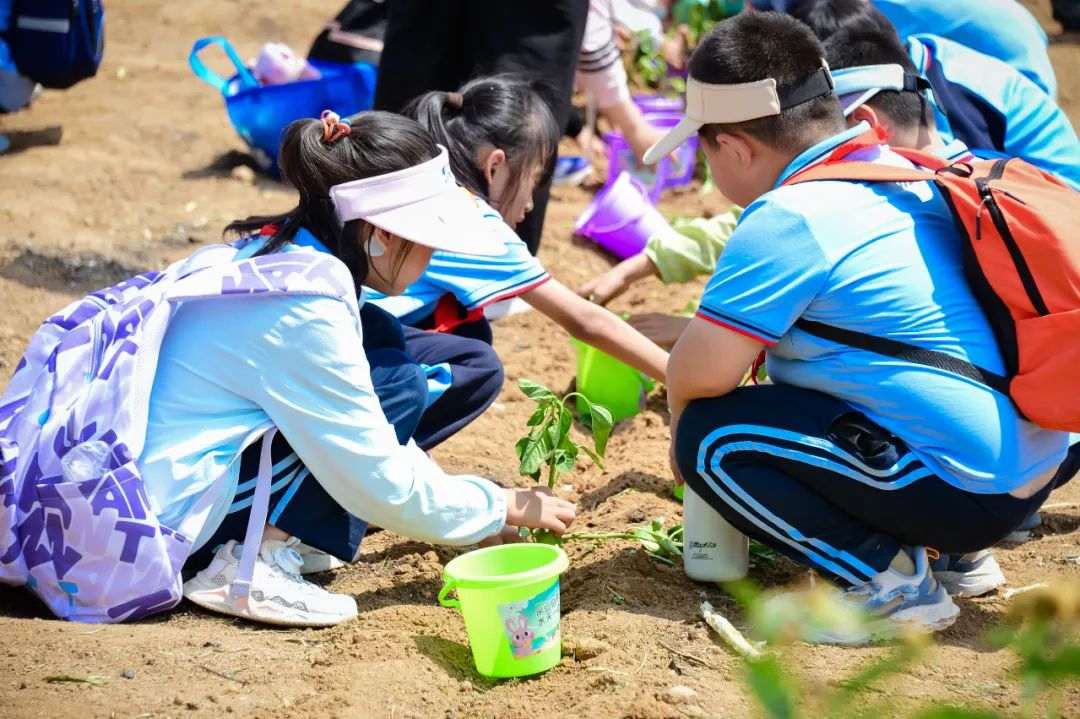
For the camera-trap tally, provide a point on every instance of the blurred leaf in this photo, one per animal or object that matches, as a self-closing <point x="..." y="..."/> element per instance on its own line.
<point x="947" y="712"/>
<point x="771" y="688"/>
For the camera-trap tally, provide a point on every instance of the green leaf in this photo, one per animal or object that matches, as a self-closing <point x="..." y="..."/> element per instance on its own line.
<point x="565" y="459"/>
<point x="535" y="390"/>
<point x="956" y="713"/>
<point x="602" y="423"/>
<point x="531" y="454"/>
<point x="538" y="416"/>
<point x="546" y="536"/>
<point x="597" y="459"/>
<point x="566" y="421"/>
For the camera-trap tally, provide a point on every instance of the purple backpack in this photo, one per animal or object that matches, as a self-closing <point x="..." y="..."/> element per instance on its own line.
<point x="76" y="524"/>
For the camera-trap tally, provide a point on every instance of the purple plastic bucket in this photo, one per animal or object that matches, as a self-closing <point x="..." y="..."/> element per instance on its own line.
<point x="668" y="172"/>
<point x="621" y="219"/>
<point x="657" y="103"/>
<point x="682" y="170"/>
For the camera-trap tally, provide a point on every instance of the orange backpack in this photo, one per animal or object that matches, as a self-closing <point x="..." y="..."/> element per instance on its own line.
<point x="1022" y="260"/>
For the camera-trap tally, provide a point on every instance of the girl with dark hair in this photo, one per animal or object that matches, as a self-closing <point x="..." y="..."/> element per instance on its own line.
<point x="376" y="193"/>
<point x="500" y="137"/>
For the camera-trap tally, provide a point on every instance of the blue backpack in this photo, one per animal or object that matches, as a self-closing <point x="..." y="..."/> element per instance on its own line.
<point x="57" y="42"/>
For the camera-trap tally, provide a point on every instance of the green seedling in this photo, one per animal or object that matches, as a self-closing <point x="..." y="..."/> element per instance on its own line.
<point x="548" y="442"/>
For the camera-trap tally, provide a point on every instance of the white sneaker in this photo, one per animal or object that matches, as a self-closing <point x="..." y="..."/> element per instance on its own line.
<point x="968" y="575"/>
<point x="316" y="560"/>
<point x="889" y="604"/>
<point x="279" y="595"/>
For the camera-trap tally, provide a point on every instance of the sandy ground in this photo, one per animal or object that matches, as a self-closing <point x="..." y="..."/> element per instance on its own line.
<point x="118" y="174"/>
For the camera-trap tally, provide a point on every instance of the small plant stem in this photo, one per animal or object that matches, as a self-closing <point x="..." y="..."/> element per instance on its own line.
<point x="598" y="535"/>
<point x="727" y="631"/>
<point x="553" y="476"/>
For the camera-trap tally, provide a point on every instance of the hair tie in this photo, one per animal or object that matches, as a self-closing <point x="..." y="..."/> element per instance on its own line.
<point x="334" y="128"/>
<point x="455" y="100"/>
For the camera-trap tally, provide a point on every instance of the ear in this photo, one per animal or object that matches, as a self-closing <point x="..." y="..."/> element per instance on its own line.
<point x="491" y="161"/>
<point x="865" y="113"/>
<point x="738" y="147"/>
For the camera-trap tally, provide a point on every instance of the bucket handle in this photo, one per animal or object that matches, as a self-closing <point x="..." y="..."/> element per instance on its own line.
<point x="210" y="77"/>
<point x="449" y="586"/>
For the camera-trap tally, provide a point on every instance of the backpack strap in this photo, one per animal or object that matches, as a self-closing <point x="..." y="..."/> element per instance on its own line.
<point x="907" y="352"/>
<point x="260" y="507"/>
<point x="836" y="167"/>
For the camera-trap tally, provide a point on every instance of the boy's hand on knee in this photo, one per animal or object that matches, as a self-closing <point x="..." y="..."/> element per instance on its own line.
<point x="538" y="508"/>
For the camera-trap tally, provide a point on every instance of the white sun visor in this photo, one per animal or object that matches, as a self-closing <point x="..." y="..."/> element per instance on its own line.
<point x="856" y="85"/>
<point x="725" y="104"/>
<point x="424" y="204"/>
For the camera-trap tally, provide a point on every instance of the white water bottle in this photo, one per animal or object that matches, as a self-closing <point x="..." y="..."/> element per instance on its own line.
<point x="713" y="550"/>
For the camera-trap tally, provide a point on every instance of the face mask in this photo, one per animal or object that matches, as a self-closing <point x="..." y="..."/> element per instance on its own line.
<point x="375" y="247"/>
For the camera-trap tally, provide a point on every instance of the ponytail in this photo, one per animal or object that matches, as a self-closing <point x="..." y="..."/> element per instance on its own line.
<point x="504" y="112"/>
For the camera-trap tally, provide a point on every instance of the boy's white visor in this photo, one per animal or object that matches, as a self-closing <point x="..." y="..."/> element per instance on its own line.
<point x="857" y="85"/>
<point x="725" y="104"/>
<point x="423" y="204"/>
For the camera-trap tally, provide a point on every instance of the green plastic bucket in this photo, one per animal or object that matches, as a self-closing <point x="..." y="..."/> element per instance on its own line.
<point x="509" y="597"/>
<point x="609" y="382"/>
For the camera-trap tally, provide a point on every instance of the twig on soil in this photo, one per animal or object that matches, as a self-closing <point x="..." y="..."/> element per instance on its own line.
<point x="606" y="670"/>
<point x="641" y="666"/>
<point x="689" y="657"/>
<point x="90" y="679"/>
<point x="731" y="636"/>
<point x="93" y="631"/>
<point x="223" y="675"/>
<point x="1060" y="505"/>
<point x="1010" y="593"/>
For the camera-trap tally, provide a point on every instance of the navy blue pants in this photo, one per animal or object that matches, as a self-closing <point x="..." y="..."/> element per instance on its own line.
<point x="298" y="503"/>
<point x="806" y="475"/>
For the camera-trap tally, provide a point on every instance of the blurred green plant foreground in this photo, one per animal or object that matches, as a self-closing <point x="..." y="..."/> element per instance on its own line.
<point x="1040" y="629"/>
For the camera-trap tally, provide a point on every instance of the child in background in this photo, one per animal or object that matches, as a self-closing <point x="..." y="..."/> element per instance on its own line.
<point x="369" y="194"/>
<point x="1003" y="29"/>
<point x="979" y="99"/>
<point x="499" y="134"/>
<point x="602" y="77"/>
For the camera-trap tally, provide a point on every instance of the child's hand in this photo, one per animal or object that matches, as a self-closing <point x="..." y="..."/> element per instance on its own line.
<point x="662" y="329"/>
<point x="538" y="508"/>
<point x="508" y="535"/>
<point x="606" y="287"/>
<point x="617" y="280"/>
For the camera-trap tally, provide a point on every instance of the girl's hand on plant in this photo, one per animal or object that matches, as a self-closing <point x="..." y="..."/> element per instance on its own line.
<point x="662" y="329"/>
<point x="508" y="535"/>
<point x="538" y="508"/>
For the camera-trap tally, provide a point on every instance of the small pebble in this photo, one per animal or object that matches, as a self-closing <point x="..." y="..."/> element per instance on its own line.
<point x="243" y="173"/>
<point x="465" y="686"/>
<point x="128" y="674"/>
<point x="680" y="693"/>
<point x="588" y="648"/>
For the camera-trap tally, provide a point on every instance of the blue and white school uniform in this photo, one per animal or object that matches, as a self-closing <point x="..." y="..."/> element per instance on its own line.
<point x="850" y="454"/>
<point x="229" y="370"/>
<point x="988" y="104"/>
<point x="455" y="288"/>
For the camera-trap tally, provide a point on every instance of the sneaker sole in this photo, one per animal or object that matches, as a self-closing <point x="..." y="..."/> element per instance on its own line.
<point x="926" y="618"/>
<point x="572" y="180"/>
<point x="215" y="601"/>
<point x="961" y="584"/>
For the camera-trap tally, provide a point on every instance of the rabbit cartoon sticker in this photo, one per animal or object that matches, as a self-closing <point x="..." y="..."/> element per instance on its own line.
<point x="532" y="625"/>
<point x="521" y="636"/>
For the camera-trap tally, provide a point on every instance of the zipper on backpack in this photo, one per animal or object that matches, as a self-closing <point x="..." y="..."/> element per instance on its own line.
<point x="986" y="192"/>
